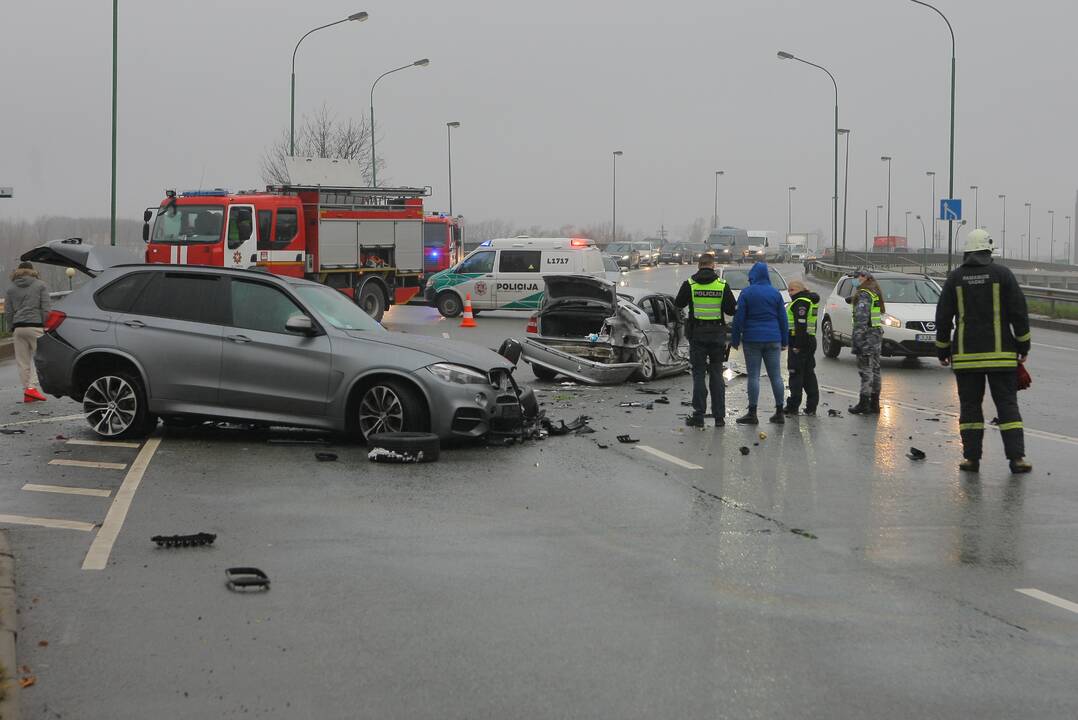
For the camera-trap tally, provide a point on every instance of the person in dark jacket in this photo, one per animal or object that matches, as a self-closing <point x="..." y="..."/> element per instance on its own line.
<point x="26" y="304"/>
<point x="801" y="316"/>
<point x="760" y="322"/>
<point x="709" y="300"/>
<point x="992" y="338"/>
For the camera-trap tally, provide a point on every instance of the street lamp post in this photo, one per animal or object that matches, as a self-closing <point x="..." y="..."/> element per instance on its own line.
<point x="614" y="203"/>
<point x="358" y="17"/>
<point x="908" y="223"/>
<point x="950" y="223"/>
<point x="115" y="36"/>
<point x="887" y="159"/>
<point x="932" y="174"/>
<point x="878" y="208"/>
<point x="374" y="162"/>
<point x="449" y="147"/>
<point x="845" y="188"/>
<point x="1029" y="230"/>
<point x="790" y="211"/>
<point x="976" y="205"/>
<point x="715" y="217"/>
<point x="1003" y="232"/>
<point x="1070" y="239"/>
<point x="1052" y="237"/>
<point x="834" y="204"/>
<point x="924" y="246"/>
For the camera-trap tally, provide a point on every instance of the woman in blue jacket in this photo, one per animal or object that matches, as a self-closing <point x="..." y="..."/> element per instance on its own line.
<point x="761" y="323"/>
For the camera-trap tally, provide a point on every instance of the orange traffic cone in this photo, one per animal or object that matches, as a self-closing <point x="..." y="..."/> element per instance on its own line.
<point x="468" y="320"/>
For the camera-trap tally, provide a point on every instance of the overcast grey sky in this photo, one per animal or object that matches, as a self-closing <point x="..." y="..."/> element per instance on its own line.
<point x="545" y="92"/>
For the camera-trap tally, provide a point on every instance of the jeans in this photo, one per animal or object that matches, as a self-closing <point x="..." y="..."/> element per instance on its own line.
<point x="771" y="355"/>
<point x="705" y="356"/>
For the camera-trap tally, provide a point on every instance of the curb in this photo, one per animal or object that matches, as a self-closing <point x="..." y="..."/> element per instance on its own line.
<point x="7" y="348"/>
<point x="1053" y="324"/>
<point x="9" y="686"/>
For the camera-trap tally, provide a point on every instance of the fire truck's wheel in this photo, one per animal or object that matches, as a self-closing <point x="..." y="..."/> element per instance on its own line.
<point x="449" y="304"/>
<point x="371" y="300"/>
<point x="391" y="406"/>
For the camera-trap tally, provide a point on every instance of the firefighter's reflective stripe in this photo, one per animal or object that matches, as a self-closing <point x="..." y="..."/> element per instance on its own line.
<point x="995" y="360"/>
<point x="876" y="317"/>
<point x="971" y="426"/>
<point x="1010" y="426"/>
<point x="813" y="311"/>
<point x="707" y="299"/>
<point x="1023" y="338"/>
<point x="997" y="325"/>
<point x="943" y="345"/>
<point x="961" y="319"/>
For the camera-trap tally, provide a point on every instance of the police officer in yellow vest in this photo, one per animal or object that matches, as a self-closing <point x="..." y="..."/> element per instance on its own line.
<point x="801" y="314"/>
<point x="709" y="300"/>
<point x="868" y="308"/>
<point x="991" y="339"/>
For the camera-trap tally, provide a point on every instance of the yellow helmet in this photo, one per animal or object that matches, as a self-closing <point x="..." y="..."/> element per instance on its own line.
<point x="977" y="241"/>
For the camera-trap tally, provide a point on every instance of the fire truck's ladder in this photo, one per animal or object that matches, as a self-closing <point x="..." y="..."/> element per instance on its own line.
<point x="357" y="198"/>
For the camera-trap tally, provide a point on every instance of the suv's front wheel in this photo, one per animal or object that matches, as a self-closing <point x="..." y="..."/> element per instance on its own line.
<point x="115" y="405"/>
<point x="831" y="346"/>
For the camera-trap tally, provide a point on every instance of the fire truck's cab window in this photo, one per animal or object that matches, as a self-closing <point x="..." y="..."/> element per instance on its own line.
<point x="480" y="262"/>
<point x="240" y="226"/>
<point x="287" y="227"/>
<point x="520" y="261"/>
<point x="265" y="227"/>
<point x="187" y="224"/>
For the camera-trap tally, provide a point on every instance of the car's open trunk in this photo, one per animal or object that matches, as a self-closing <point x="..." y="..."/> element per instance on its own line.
<point x="573" y="321"/>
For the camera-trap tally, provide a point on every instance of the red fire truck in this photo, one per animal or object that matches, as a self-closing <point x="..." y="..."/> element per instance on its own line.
<point x="365" y="242"/>
<point x="888" y="243"/>
<point x="443" y="242"/>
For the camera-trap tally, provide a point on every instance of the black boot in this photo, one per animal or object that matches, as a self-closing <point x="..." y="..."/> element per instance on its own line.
<point x="694" y="421"/>
<point x="874" y="404"/>
<point x="863" y="406"/>
<point x="790" y="408"/>
<point x="970" y="465"/>
<point x="749" y="418"/>
<point x="1020" y="465"/>
<point x="778" y="418"/>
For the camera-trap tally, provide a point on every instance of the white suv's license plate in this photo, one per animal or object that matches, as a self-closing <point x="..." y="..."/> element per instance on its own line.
<point x="923" y="337"/>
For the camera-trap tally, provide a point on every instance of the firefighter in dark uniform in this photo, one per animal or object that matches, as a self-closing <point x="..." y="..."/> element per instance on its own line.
<point x="801" y="316"/>
<point x="990" y="339"/>
<point x="709" y="300"/>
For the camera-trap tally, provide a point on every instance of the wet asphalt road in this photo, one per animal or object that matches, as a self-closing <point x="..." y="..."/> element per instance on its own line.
<point x="822" y="575"/>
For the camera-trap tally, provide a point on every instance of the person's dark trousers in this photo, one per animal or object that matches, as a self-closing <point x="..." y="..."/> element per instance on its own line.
<point x="802" y="367"/>
<point x="705" y="356"/>
<point x="1004" y="389"/>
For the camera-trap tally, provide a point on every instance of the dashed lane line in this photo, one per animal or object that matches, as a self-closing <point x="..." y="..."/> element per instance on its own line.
<point x="89" y="464"/>
<point x="46" y="522"/>
<point x="66" y="490"/>
<point x="1055" y="347"/>
<point x="668" y="458"/>
<point x="59" y="418"/>
<point x="1049" y="598"/>
<point x="98" y="555"/>
<point x="106" y="443"/>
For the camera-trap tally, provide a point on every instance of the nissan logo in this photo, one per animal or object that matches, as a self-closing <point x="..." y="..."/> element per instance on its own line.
<point x="930" y="326"/>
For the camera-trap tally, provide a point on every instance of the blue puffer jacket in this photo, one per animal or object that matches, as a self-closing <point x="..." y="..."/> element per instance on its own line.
<point x="761" y="312"/>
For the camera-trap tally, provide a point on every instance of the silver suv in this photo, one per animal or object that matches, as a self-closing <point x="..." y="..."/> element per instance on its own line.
<point x="139" y="342"/>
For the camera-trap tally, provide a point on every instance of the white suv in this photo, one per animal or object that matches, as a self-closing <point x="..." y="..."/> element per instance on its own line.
<point x="909" y="319"/>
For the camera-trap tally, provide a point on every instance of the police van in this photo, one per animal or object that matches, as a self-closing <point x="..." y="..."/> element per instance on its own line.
<point x="507" y="273"/>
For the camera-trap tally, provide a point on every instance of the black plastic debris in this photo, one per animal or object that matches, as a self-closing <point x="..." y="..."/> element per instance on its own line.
<point x="686" y="403"/>
<point x="196" y="540"/>
<point x="833" y="413"/>
<point x="654" y="391"/>
<point x="932" y="419"/>
<point x="10" y="431"/>
<point x="663" y="401"/>
<point x="915" y="454"/>
<point x="580" y="425"/>
<point x="325" y="457"/>
<point x="247" y="579"/>
<point x="627" y="439"/>
<point x="744" y="450"/>
<point x="601" y="446"/>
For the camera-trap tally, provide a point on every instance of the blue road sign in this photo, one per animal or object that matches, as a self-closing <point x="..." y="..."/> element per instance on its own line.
<point x="951" y="209"/>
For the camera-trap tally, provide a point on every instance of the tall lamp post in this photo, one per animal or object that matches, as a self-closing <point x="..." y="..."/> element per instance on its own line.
<point x="115" y="35"/>
<point x="614" y="203"/>
<point x="715" y="217"/>
<point x="878" y="208"/>
<point x="374" y="162"/>
<point x="790" y="211"/>
<point x="845" y="188"/>
<point x="1052" y="237"/>
<point x="950" y="182"/>
<point x="887" y="159"/>
<point x="834" y="221"/>
<point x="1029" y="230"/>
<point x="924" y="246"/>
<point x="449" y="147"/>
<point x="976" y="205"/>
<point x="932" y="174"/>
<point x="1070" y="239"/>
<point x="1003" y="244"/>
<point x="358" y="17"/>
<point x="908" y="212"/>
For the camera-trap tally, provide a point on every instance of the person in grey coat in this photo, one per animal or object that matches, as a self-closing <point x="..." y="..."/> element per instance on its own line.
<point x="26" y="306"/>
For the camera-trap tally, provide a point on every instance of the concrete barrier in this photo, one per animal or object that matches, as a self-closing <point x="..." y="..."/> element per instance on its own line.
<point x="7" y="348"/>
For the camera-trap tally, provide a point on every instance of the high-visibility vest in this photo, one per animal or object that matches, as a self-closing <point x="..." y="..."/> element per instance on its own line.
<point x="877" y="314"/>
<point x="707" y="299"/>
<point x="813" y="310"/>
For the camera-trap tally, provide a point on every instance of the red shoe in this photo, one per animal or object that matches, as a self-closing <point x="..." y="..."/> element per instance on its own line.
<point x="33" y="395"/>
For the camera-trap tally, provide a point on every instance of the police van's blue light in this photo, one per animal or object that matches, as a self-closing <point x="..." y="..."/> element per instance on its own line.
<point x="485" y="244"/>
<point x="216" y="192"/>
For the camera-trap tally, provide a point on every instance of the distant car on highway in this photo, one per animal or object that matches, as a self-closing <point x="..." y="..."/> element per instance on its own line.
<point x="909" y="322"/>
<point x="738" y="279"/>
<point x="693" y="251"/>
<point x="649" y="254"/>
<point x="612" y="268"/>
<point x="626" y="255"/>
<point x="187" y="343"/>
<point x="673" y="254"/>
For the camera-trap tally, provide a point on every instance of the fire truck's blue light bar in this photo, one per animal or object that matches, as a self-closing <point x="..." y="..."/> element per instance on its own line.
<point x="218" y="192"/>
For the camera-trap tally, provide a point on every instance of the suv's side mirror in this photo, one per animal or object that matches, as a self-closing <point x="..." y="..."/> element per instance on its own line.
<point x="299" y="324"/>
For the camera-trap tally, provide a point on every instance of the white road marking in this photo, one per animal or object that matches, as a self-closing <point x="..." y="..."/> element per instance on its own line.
<point x="1032" y="432"/>
<point x="34" y="487"/>
<point x="46" y="522"/>
<point x="106" y="443"/>
<point x="97" y="557"/>
<point x="89" y="464"/>
<point x="44" y="420"/>
<point x="1049" y="598"/>
<point x="667" y="457"/>
<point x="445" y="336"/>
<point x="1055" y="347"/>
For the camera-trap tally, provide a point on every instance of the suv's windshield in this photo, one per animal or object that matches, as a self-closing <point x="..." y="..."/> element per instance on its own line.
<point x="336" y="309"/>
<point x="185" y="224"/>
<point x="909" y="290"/>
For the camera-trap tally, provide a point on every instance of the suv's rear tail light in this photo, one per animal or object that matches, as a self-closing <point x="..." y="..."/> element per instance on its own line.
<point x="53" y="320"/>
<point x="533" y="325"/>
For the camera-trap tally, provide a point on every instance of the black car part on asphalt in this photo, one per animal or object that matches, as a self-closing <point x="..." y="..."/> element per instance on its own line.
<point x="247" y="579"/>
<point x="196" y="540"/>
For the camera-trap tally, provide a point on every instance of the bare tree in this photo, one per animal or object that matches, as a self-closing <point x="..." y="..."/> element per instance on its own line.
<point x="322" y="135"/>
<point x="697" y="231"/>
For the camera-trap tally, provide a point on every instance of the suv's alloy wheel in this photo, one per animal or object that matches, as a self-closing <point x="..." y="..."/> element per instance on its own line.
<point x="115" y="406"/>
